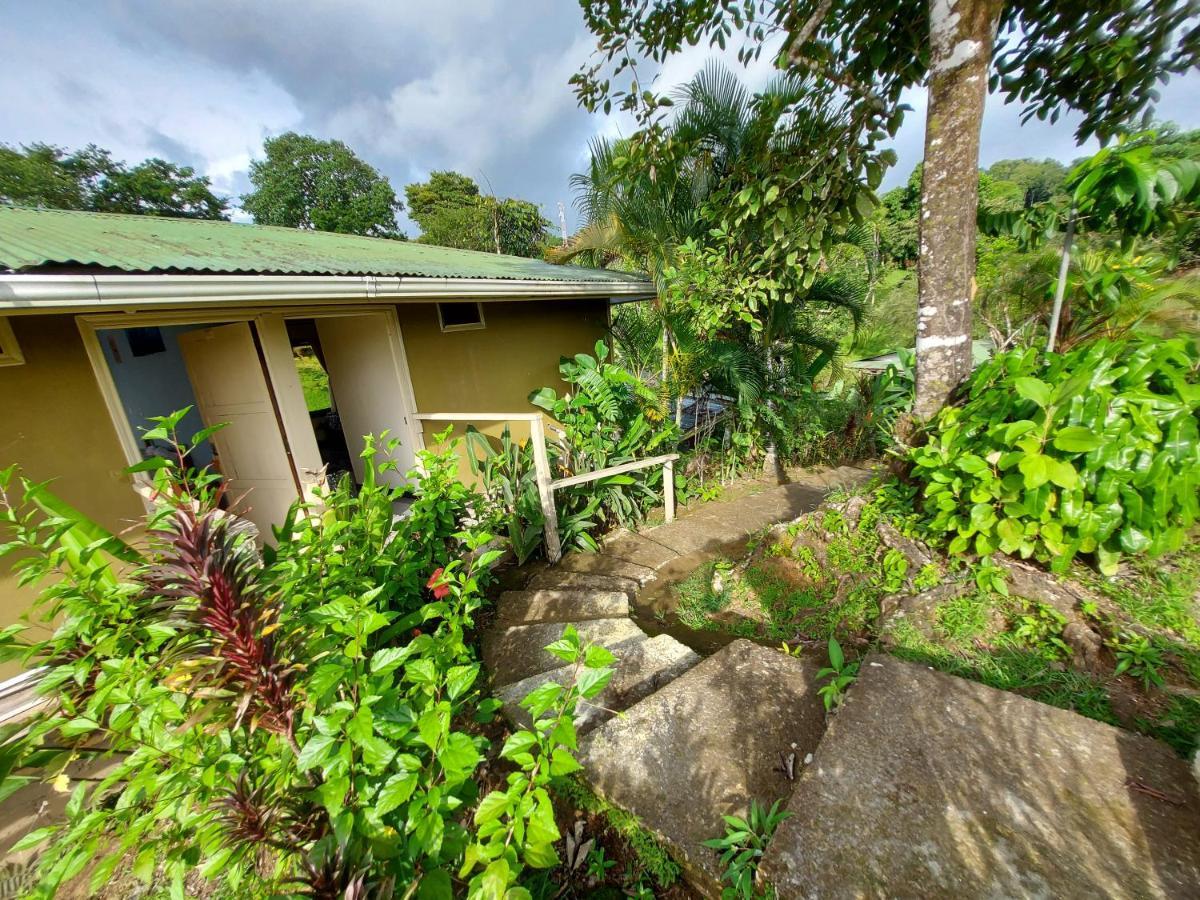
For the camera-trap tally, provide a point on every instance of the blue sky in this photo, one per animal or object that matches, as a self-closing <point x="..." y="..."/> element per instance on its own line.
<point x="474" y="85"/>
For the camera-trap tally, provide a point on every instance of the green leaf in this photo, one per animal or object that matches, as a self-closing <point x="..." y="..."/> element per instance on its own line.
<point x="1033" y="389"/>
<point x="491" y="807"/>
<point x="79" y="726"/>
<point x="387" y="659"/>
<point x="435" y="885"/>
<point x="540" y="856"/>
<point x="459" y="680"/>
<point x="1035" y="469"/>
<point x="33" y="838"/>
<point x="563" y="763"/>
<point x="1076" y="439"/>
<point x="396" y="790"/>
<point x="592" y="681"/>
<point x="836" y="658"/>
<point x="315" y="751"/>
<point x="518" y="742"/>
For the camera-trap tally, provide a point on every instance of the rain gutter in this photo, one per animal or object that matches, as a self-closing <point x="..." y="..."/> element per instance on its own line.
<point x="77" y="292"/>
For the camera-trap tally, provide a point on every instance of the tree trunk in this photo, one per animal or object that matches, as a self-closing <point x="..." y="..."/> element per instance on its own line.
<point x="1060" y="289"/>
<point x="961" y="35"/>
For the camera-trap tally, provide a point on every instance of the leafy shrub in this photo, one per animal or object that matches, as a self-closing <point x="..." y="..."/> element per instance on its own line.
<point x="513" y="505"/>
<point x="1094" y="451"/>
<point x="608" y="418"/>
<point x="291" y="722"/>
<point x="743" y="846"/>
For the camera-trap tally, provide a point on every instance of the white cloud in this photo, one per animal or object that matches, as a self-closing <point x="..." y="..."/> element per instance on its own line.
<point x="477" y="85"/>
<point x="155" y="103"/>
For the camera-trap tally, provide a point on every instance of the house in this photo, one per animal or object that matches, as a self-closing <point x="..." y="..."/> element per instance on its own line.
<point x="106" y="320"/>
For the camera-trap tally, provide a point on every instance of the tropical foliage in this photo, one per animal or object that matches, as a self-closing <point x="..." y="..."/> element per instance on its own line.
<point x="298" y="722"/>
<point x="607" y="417"/>
<point x="1094" y="451"/>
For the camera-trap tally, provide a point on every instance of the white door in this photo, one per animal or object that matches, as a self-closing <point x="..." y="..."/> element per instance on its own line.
<point x="365" y="376"/>
<point x="230" y="387"/>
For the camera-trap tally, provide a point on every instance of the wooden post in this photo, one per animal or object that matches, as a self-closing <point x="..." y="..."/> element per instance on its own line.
<point x="541" y="465"/>
<point x="669" y="490"/>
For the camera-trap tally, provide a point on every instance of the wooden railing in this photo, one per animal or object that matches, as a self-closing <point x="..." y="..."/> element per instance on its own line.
<point x="547" y="485"/>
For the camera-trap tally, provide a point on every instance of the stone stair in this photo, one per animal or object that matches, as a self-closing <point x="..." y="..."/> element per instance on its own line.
<point x="923" y="784"/>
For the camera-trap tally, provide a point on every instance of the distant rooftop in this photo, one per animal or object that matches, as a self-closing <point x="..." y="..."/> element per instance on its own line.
<point x="33" y="240"/>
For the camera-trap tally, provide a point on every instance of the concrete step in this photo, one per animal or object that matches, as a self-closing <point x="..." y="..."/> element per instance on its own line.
<point x="528" y="607"/>
<point x="605" y="563"/>
<point x="519" y="651"/>
<point x="930" y="786"/>
<point x="558" y="580"/>
<point x="643" y="668"/>
<point x="705" y="745"/>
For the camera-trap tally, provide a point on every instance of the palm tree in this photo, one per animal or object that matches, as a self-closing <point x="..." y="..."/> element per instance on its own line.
<point x="640" y="216"/>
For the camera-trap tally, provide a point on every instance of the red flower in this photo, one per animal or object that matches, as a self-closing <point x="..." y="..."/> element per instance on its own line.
<point x="439" y="590"/>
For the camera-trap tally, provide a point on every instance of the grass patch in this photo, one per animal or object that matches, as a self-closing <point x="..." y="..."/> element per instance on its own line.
<point x="962" y="619"/>
<point x="695" y="599"/>
<point x="653" y="858"/>
<point x="1009" y="668"/>
<point x="1159" y="594"/>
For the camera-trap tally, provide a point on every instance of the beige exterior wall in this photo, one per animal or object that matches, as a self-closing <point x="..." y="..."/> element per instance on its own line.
<point x="495" y="368"/>
<point x="54" y="425"/>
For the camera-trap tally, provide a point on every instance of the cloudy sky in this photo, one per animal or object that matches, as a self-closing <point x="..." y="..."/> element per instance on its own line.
<point x="474" y="85"/>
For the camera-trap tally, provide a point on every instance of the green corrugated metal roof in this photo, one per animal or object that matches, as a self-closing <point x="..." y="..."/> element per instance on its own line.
<point x="30" y="238"/>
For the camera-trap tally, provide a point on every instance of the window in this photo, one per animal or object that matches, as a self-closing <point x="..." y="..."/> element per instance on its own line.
<point x="460" y="316"/>
<point x="145" y="341"/>
<point x="10" y="353"/>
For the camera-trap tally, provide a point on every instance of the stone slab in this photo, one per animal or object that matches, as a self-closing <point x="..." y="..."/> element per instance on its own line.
<point x="706" y="745"/>
<point x="643" y="668"/>
<point x="518" y="652"/>
<point x="605" y="564"/>
<point x="640" y="549"/>
<point x="556" y="579"/>
<point x="930" y="786"/>
<point x="528" y="607"/>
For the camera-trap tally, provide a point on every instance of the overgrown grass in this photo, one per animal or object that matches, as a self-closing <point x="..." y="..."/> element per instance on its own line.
<point x="1010" y="668"/>
<point x="653" y="858"/>
<point x="695" y="599"/>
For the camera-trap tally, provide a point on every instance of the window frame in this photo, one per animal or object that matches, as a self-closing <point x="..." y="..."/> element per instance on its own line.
<point x="470" y="326"/>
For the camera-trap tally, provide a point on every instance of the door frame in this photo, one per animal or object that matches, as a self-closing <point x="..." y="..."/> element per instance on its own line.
<point x="294" y="420"/>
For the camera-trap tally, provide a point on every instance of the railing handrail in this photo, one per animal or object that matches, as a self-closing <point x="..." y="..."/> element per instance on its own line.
<point x="546" y="485"/>
<point x="631" y="466"/>
<point x="477" y="417"/>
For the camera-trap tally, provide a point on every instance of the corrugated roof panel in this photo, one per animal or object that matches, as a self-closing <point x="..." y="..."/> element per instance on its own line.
<point x="30" y="238"/>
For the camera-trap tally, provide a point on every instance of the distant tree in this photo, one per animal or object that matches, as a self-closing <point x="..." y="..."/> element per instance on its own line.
<point x="304" y="182"/>
<point x="997" y="194"/>
<point x="899" y="231"/>
<point x="443" y="191"/>
<point x="1039" y="179"/>
<point x="453" y="213"/>
<point x="90" y="179"/>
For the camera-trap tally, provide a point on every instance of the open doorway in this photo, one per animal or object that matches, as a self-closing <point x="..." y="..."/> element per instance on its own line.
<point x="296" y="393"/>
<point x="217" y="370"/>
<point x="353" y="387"/>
